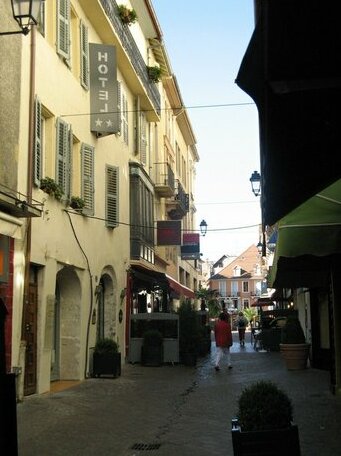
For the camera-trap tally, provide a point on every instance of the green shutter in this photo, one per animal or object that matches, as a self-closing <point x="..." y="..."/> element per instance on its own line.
<point x="87" y="155"/>
<point x="111" y="196"/>
<point x="119" y="110"/>
<point x="143" y="138"/>
<point x="37" y="143"/>
<point x="63" y="28"/>
<point x="63" y="156"/>
<point x="84" y="55"/>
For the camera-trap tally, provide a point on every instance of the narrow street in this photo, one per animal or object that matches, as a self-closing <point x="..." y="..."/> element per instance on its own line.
<point x="173" y="410"/>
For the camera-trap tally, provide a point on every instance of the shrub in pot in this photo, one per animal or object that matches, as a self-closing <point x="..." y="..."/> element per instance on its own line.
<point x="263" y="423"/>
<point x="188" y="334"/>
<point x="293" y="346"/>
<point x="152" y="348"/>
<point x="106" y="358"/>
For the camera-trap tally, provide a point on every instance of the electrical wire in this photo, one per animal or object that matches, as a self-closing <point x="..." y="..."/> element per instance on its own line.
<point x="153" y="227"/>
<point x="223" y="105"/>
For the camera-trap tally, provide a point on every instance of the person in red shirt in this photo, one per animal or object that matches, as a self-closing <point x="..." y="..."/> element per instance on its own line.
<point x="223" y="339"/>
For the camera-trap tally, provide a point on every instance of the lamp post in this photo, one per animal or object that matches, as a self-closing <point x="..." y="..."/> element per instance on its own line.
<point x="255" y="183"/>
<point x="26" y="13"/>
<point x="203" y="227"/>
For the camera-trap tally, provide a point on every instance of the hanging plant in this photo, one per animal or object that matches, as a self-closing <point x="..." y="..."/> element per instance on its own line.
<point x="49" y="186"/>
<point x="128" y="16"/>
<point x="154" y="73"/>
<point x="77" y="203"/>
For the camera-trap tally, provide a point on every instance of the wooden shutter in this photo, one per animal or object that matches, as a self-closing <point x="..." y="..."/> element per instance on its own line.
<point x="111" y="196"/>
<point x="84" y="55"/>
<point x="41" y="19"/>
<point x="143" y="138"/>
<point x="63" y="156"/>
<point x="63" y="28"/>
<point x="119" y="109"/>
<point x="87" y="156"/>
<point x="37" y="170"/>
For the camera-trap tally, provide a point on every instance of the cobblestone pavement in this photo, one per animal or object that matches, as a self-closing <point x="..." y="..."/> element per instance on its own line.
<point x="173" y="410"/>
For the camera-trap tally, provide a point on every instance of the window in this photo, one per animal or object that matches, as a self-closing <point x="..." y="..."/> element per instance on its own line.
<point x="41" y="19"/>
<point x="111" y="197"/>
<point x="87" y="178"/>
<point x="63" y="156"/>
<point x="140" y="136"/>
<point x="84" y="52"/>
<point x="234" y="288"/>
<point x="63" y="28"/>
<point x="222" y="287"/>
<point x="245" y="287"/>
<point x="123" y="109"/>
<point x="237" y="271"/>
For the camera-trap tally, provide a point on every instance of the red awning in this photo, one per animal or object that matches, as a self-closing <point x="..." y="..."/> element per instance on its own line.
<point x="180" y="289"/>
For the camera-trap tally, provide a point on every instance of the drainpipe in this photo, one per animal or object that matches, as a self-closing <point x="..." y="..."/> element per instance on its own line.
<point x="29" y="173"/>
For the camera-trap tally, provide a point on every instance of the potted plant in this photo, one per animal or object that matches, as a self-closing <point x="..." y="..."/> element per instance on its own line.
<point x="49" y="186"/>
<point x="77" y="203"/>
<point x="293" y="346"/>
<point x="128" y="16"/>
<point x="264" y="422"/>
<point x="152" y="348"/>
<point x="154" y="73"/>
<point x="106" y="358"/>
<point x="188" y="334"/>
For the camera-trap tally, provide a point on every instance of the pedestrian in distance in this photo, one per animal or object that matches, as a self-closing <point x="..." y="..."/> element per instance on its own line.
<point x="223" y="339"/>
<point x="242" y="323"/>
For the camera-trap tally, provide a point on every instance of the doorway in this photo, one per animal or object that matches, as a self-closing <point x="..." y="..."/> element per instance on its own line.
<point x="55" y="349"/>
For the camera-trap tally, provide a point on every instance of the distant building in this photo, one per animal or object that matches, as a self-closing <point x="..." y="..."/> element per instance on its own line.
<point x="241" y="281"/>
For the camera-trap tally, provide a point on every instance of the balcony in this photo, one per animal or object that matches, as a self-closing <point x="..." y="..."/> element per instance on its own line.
<point x="178" y="207"/>
<point x="128" y="43"/>
<point x="164" y="180"/>
<point x="16" y="205"/>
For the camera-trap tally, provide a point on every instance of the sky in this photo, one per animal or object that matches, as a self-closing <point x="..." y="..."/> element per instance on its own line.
<point x="205" y="43"/>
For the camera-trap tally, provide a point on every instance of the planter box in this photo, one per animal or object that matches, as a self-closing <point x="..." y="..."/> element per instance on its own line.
<point x="276" y="442"/>
<point x="295" y="355"/>
<point x="106" y="364"/>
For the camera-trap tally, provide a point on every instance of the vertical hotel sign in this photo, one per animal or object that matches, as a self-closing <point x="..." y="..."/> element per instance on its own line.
<point x="104" y="116"/>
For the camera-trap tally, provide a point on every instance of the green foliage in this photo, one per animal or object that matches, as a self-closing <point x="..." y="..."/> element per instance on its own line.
<point x="76" y="202"/>
<point x="250" y="313"/>
<point x="154" y="73"/>
<point x="292" y="332"/>
<point x="49" y="186"/>
<point x="106" y="345"/>
<point x="263" y="406"/>
<point x="128" y="16"/>
<point x="211" y="301"/>
<point x="188" y="328"/>
<point x="152" y="338"/>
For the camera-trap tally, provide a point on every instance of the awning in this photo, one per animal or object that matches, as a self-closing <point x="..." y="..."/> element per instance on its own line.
<point x="290" y="69"/>
<point x="262" y="302"/>
<point x="148" y="279"/>
<point x="309" y="242"/>
<point x="179" y="289"/>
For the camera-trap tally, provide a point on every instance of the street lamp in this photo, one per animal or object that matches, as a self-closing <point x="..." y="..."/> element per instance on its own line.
<point x="26" y="13"/>
<point x="203" y="227"/>
<point x="255" y="183"/>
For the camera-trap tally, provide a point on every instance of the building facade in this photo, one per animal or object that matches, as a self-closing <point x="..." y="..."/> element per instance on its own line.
<point x="89" y="128"/>
<point x="242" y="281"/>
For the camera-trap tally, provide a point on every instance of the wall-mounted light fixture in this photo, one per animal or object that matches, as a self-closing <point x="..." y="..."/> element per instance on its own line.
<point x="255" y="183"/>
<point x="203" y="227"/>
<point x="26" y="13"/>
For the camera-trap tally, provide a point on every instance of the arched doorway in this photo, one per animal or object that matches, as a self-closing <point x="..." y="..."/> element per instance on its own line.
<point x="66" y="354"/>
<point x="106" y="307"/>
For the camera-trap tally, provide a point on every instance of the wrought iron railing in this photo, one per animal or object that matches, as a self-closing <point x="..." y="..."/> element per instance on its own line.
<point x="130" y="46"/>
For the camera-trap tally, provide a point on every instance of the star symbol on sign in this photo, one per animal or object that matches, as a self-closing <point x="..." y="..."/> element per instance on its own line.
<point x="109" y="123"/>
<point x="98" y="122"/>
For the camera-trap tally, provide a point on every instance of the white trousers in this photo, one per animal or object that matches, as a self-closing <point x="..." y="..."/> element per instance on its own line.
<point x="223" y="351"/>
